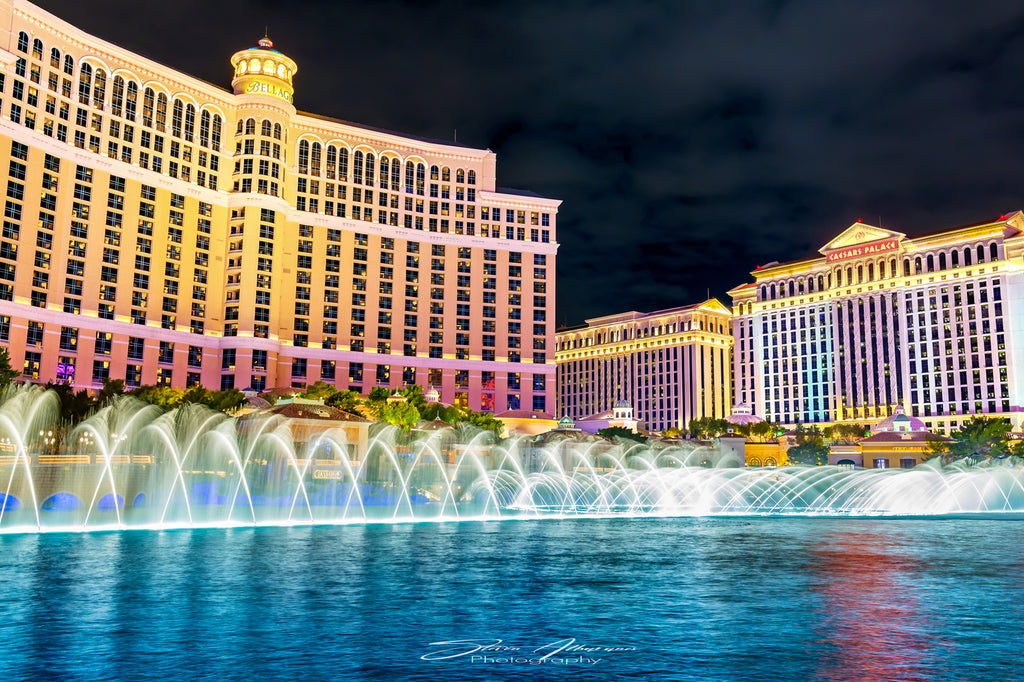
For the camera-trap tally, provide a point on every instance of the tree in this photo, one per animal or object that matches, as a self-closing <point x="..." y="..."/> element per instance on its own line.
<point x="75" y="406"/>
<point x="345" y="400"/>
<point x="980" y="437"/>
<point x="400" y="413"/>
<point x="848" y="433"/>
<point x="614" y="432"/>
<point x="7" y="373"/>
<point x="672" y="432"/>
<point x="162" y="396"/>
<point x="227" y="400"/>
<point x="707" y="427"/>
<point x="112" y="388"/>
<point x="319" y="390"/>
<point x="483" y="420"/>
<point x="762" y="431"/>
<point x="810" y="447"/>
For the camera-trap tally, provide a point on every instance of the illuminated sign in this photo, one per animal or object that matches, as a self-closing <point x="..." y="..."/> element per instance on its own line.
<point x="865" y="250"/>
<point x="328" y="473"/>
<point x="261" y="88"/>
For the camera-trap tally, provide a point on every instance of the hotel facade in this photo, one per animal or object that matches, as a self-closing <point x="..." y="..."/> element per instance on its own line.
<point x="161" y="230"/>
<point x="879" y="319"/>
<point x="671" y="366"/>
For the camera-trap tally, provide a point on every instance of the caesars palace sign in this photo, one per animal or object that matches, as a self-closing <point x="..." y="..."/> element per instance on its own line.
<point x="863" y="250"/>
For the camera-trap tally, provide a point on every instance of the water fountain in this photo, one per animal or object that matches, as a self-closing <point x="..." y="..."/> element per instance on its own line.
<point x="134" y="466"/>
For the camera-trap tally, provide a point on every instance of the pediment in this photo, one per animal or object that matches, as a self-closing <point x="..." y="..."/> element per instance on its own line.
<point x="861" y="233"/>
<point x="714" y="304"/>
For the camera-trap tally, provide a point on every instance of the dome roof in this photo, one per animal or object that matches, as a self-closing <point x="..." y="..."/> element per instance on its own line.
<point x="743" y="414"/>
<point x="899" y="421"/>
<point x="566" y="422"/>
<point x="432" y="396"/>
<point x="621" y="404"/>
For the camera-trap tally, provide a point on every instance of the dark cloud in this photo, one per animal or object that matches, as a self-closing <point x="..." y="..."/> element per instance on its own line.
<point x="689" y="141"/>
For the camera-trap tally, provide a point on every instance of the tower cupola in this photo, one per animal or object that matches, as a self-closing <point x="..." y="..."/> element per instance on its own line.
<point x="262" y="70"/>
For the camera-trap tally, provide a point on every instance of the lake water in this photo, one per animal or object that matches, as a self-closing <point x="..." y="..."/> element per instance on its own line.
<point x="744" y="598"/>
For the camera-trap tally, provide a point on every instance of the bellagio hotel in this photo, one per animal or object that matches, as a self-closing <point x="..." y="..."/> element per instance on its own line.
<point x="161" y="230"/>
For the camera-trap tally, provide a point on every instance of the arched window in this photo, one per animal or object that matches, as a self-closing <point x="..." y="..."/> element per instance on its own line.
<point x="849" y="276"/>
<point x="37" y="49"/>
<point x="773" y="291"/>
<point x="204" y="128"/>
<point x="23" y="42"/>
<point x="421" y="170"/>
<point x="148" y="100"/>
<point x="303" y="156"/>
<point x="892" y="268"/>
<point x="54" y="58"/>
<point x="117" y="96"/>
<point x="266" y="128"/>
<point x="314" y="159"/>
<point x="434" y="172"/>
<point x="764" y="293"/>
<point x="871" y="272"/>
<point x="800" y="287"/>
<point x="930" y="260"/>
<point x="357" y="168"/>
<point x="993" y="252"/>
<point x="99" y="88"/>
<point x="250" y="126"/>
<point x="821" y="283"/>
<point x="161" y="112"/>
<point x="215" y="136"/>
<point x="954" y="258"/>
<point x="130" y="100"/>
<point x="84" y="84"/>
<point x="839" y="277"/>
<point x="967" y="256"/>
<point x="881" y="270"/>
<point x="343" y="164"/>
<point x="385" y="172"/>
<point x="792" y="289"/>
<point x="981" y="253"/>
<point x="177" y="117"/>
<point x="369" y="169"/>
<point x="332" y="161"/>
<point x="190" y="123"/>
<point x="917" y="266"/>
<point x="942" y="260"/>
<point x="446" y="175"/>
<point x="69" y="65"/>
<point x="241" y="125"/>
<point x="472" y="178"/>
<point x="460" y="175"/>
<point x="860" y="274"/>
<point x="410" y="168"/>
<point x="277" y="131"/>
<point x="396" y="173"/>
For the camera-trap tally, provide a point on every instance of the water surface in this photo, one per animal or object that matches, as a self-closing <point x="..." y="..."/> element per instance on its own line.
<point x="675" y="599"/>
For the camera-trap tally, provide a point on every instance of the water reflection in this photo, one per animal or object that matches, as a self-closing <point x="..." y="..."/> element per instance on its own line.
<point x="873" y="626"/>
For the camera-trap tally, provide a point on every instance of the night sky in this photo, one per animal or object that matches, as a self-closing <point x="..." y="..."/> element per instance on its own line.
<point x="688" y="141"/>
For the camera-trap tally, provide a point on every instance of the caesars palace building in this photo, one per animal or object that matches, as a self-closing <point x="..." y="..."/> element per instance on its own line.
<point x="161" y="230"/>
<point x="934" y="322"/>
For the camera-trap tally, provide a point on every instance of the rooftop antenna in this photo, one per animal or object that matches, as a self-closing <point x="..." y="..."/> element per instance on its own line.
<point x="456" y="136"/>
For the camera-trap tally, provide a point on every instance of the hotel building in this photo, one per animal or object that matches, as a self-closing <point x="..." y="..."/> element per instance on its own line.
<point x="879" y="319"/>
<point x="161" y="230"/>
<point x="671" y="365"/>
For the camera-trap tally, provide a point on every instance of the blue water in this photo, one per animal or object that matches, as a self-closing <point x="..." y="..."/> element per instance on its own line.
<point x="680" y="599"/>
